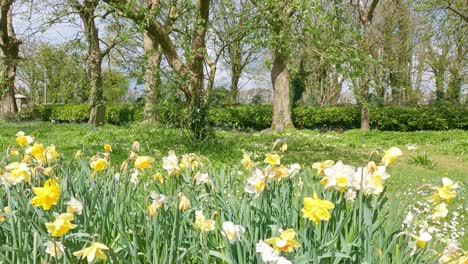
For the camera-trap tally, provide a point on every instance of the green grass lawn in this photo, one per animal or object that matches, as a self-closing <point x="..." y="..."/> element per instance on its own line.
<point x="447" y="151"/>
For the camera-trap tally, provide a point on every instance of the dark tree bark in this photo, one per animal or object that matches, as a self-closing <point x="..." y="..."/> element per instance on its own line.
<point x="9" y="46"/>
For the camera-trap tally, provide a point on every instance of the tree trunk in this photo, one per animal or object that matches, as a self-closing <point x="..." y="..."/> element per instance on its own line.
<point x="365" y="123"/>
<point x="95" y="56"/>
<point x="153" y="55"/>
<point x="235" y="56"/>
<point x="9" y="45"/>
<point x="198" y="112"/>
<point x="281" y="99"/>
<point x="95" y="83"/>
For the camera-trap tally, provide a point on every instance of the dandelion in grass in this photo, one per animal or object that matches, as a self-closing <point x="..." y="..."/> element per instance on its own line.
<point x="22" y="139"/>
<point x="320" y="166"/>
<point x="203" y="224"/>
<point x="107" y="148"/>
<point x="158" y="201"/>
<point x="61" y="225"/>
<point x="143" y="162"/>
<point x="232" y="231"/>
<point x="316" y="210"/>
<point x="201" y="178"/>
<point x="420" y="240"/>
<point x="171" y="163"/>
<point x="95" y="250"/>
<point x="54" y="249"/>
<point x="247" y="162"/>
<point x="17" y="172"/>
<point x="256" y="184"/>
<point x="391" y="155"/>
<point x="74" y="206"/>
<point x="99" y="164"/>
<point x="47" y="195"/>
<point x="184" y="202"/>
<point x="285" y="242"/>
<point x="272" y="159"/>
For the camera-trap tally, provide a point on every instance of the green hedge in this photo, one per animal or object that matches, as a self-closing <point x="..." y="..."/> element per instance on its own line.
<point x="258" y="117"/>
<point x="115" y="114"/>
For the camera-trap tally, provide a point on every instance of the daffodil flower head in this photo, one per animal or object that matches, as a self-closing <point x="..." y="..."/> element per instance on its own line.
<point x="320" y="166"/>
<point x="316" y="209"/>
<point x="93" y="251"/>
<point x="391" y="155"/>
<point x="61" y="225"/>
<point x="272" y="159"/>
<point x="285" y="242"/>
<point x="47" y="195"/>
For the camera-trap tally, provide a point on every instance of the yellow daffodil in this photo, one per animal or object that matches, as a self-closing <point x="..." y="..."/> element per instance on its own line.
<point x="391" y="155"/>
<point x="61" y="225"/>
<point x="50" y="153"/>
<point x="158" y="177"/>
<point x="99" y="164"/>
<point x="281" y="172"/>
<point x="19" y="172"/>
<point x="184" y="203"/>
<point x="14" y="152"/>
<point x="37" y="151"/>
<point x="284" y="147"/>
<point x="316" y="209"/>
<point x="320" y="166"/>
<point x="91" y="252"/>
<point x="22" y="139"/>
<point x="143" y="162"/>
<point x="285" y="242"/>
<point x="247" y="162"/>
<point x="446" y="192"/>
<point x="440" y="211"/>
<point x="107" y="148"/>
<point x="47" y="195"/>
<point x="272" y="159"/>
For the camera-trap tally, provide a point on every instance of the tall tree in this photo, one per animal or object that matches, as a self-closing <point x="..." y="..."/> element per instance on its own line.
<point x="88" y="12"/>
<point x="190" y="71"/>
<point x="365" y="11"/>
<point x="9" y="46"/>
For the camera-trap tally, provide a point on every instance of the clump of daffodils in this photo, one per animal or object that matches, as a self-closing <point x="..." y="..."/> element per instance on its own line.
<point x="203" y="224"/>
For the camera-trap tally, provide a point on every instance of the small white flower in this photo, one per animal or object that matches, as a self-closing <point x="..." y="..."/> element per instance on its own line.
<point x="266" y="252"/>
<point x="117" y="176"/>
